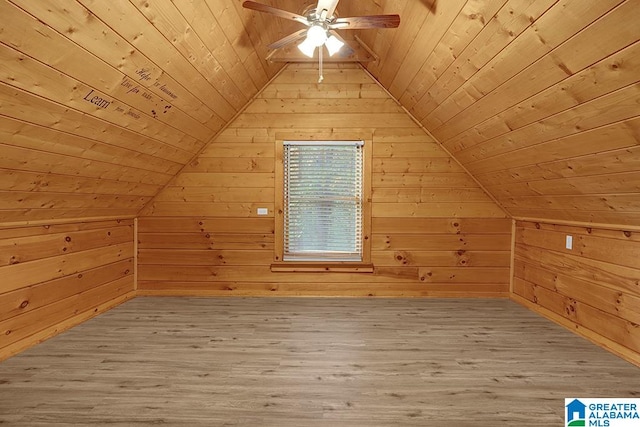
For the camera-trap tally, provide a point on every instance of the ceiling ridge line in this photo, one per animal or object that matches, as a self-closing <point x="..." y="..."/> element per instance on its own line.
<point x="426" y="131"/>
<point x="213" y="138"/>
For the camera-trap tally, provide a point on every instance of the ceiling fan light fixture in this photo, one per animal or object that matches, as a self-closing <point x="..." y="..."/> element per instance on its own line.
<point x="307" y="47"/>
<point x="316" y="35"/>
<point x="333" y="44"/>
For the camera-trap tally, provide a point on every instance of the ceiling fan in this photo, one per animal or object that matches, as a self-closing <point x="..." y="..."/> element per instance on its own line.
<point x="321" y="22"/>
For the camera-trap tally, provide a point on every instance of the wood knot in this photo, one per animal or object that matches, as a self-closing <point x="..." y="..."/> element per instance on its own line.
<point x="24" y="304"/>
<point x="67" y="239"/>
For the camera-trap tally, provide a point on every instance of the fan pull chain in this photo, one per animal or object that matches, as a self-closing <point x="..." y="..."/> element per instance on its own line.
<point x="320" y="51"/>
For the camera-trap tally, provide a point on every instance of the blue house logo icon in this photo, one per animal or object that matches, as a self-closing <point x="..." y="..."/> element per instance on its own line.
<point x="576" y="413"/>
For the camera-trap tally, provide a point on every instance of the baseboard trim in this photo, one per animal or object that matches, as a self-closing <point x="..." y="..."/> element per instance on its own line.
<point x="315" y="294"/>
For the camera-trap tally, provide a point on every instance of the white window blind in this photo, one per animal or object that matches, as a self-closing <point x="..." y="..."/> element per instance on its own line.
<point x="323" y="200"/>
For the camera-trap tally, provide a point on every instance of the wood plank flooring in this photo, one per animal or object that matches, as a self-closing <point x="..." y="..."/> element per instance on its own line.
<point x="309" y="362"/>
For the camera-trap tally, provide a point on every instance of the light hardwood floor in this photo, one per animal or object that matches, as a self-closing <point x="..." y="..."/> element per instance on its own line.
<point x="309" y="362"/>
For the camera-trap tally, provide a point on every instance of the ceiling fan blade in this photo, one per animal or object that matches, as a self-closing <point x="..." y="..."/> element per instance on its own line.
<point x="361" y="22"/>
<point x="328" y="5"/>
<point x="274" y="11"/>
<point x="291" y="38"/>
<point x="346" y="50"/>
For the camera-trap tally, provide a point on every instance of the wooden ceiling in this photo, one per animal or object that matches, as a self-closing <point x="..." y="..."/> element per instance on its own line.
<point x="102" y="103"/>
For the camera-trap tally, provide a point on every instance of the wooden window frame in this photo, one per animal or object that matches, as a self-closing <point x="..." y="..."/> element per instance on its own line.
<point x="364" y="266"/>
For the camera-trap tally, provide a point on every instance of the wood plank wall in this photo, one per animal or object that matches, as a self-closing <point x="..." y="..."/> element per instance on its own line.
<point x="539" y="100"/>
<point x="102" y="103"/>
<point x="434" y="231"/>
<point x="593" y="289"/>
<point x="56" y="276"/>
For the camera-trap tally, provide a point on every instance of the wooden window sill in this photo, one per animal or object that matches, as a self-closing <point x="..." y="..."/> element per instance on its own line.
<point x="310" y="267"/>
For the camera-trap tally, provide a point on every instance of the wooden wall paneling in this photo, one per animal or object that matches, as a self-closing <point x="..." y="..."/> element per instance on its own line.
<point x="568" y="58"/>
<point x="209" y="225"/>
<point x="82" y="27"/>
<point x="435" y="241"/>
<point x="413" y="19"/>
<point x="611" y="73"/>
<point x="505" y="26"/>
<point x="584" y="71"/>
<point x="199" y="241"/>
<point x="57" y="275"/>
<point x="29" y="108"/>
<point x="126" y="20"/>
<point x="440" y="209"/>
<point x="216" y="194"/>
<point x="629" y="202"/>
<point x="408" y="53"/>
<point x="164" y="15"/>
<point x="624" y="182"/>
<point x="381" y="42"/>
<point x="40" y="161"/>
<point x="619" y="219"/>
<point x="34" y="200"/>
<point x="209" y="216"/>
<point x="611" y="108"/>
<point x="592" y="288"/>
<point x="260" y="28"/>
<point x="204" y="24"/>
<point x="33" y="297"/>
<point x="446" y="225"/>
<point x="335" y="289"/>
<point x="540" y="40"/>
<point x="95" y="87"/>
<point x="33" y="181"/>
<point x="596" y="151"/>
<point x="24" y="249"/>
<point x="234" y="30"/>
<point x="473" y="16"/>
<point x="19" y="133"/>
<point x="423" y="195"/>
<point x="21" y="275"/>
<point x="440" y="258"/>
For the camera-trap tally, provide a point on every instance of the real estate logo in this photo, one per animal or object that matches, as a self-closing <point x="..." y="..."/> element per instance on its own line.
<point x="602" y="412"/>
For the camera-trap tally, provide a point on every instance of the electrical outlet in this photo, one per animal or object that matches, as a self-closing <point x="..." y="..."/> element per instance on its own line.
<point x="263" y="211"/>
<point x="569" y="242"/>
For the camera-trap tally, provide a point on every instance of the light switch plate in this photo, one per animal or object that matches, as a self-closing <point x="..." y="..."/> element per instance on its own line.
<point x="263" y="211"/>
<point x="569" y="242"/>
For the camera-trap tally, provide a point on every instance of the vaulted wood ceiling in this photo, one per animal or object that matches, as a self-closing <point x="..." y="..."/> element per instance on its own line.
<point x="102" y="103"/>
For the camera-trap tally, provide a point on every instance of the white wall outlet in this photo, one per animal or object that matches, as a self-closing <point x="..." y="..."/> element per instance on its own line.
<point x="263" y="211"/>
<point x="569" y="242"/>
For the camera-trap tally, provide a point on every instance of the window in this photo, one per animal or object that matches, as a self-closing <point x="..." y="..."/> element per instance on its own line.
<point x="323" y="200"/>
<point x="323" y="203"/>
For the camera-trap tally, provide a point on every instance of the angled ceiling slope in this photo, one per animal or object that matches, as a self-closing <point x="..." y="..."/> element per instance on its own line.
<point x="102" y="103"/>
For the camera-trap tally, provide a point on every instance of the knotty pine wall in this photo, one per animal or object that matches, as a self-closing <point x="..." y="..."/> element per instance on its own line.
<point x="102" y="103"/>
<point x="539" y="100"/>
<point x="593" y="289"/>
<point x="434" y="231"/>
<point x="56" y="276"/>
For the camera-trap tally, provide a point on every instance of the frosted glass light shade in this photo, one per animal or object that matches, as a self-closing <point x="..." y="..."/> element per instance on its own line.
<point x="317" y="35"/>
<point x="307" y="47"/>
<point x="333" y="45"/>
